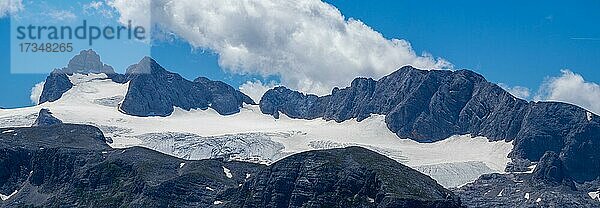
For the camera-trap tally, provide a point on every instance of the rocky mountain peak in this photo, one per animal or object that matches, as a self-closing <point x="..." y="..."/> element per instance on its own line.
<point x="86" y="62"/>
<point x="146" y="65"/>
<point x="154" y="91"/>
<point x="432" y="105"/>
<point x="45" y="118"/>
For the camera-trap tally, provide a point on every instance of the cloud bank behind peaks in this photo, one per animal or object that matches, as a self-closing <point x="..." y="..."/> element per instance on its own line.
<point x="571" y="88"/>
<point x="309" y="44"/>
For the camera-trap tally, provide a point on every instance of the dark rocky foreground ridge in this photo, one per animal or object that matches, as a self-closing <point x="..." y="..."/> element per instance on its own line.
<point x="66" y="165"/>
<point x="350" y="177"/>
<point x="521" y="190"/>
<point x="153" y="91"/>
<point x="549" y="185"/>
<point x="429" y="106"/>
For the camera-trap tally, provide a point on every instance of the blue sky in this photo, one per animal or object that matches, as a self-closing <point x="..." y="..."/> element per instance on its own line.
<point x="516" y="43"/>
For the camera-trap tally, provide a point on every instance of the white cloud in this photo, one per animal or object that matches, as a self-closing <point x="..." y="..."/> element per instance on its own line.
<point x="571" y="88"/>
<point x="309" y="44"/>
<point x="36" y="93"/>
<point x="8" y="7"/>
<point x="62" y="15"/>
<point x="517" y="91"/>
<point x="256" y="89"/>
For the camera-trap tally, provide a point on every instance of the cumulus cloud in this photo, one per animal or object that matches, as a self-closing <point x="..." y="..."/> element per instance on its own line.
<point x="36" y="93"/>
<point x="309" y="44"/>
<point x="8" y="7"/>
<point x="571" y="88"/>
<point x="517" y="91"/>
<point x="256" y="89"/>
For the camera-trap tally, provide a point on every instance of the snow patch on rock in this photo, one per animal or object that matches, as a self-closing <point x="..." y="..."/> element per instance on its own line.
<point x="8" y="131"/>
<point x="6" y="197"/>
<point x="594" y="195"/>
<point x="227" y="172"/>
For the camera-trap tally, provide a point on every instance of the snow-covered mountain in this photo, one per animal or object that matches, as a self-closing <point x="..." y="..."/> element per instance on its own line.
<point x="249" y="135"/>
<point x="453" y="126"/>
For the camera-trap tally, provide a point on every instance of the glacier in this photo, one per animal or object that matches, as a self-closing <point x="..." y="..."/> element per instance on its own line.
<point x="252" y="136"/>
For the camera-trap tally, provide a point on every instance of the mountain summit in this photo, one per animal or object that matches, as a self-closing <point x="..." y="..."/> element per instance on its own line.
<point x="154" y="91"/>
<point x="429" y="106"/>
<point x="86" y="62"/>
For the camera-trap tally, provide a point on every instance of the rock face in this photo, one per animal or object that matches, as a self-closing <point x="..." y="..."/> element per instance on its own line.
<point x="69" y="165"/>
<point x="56" y="85"/>
<point x="45" y="118"/>
<point x="154" y="91"/>
<point x="86" y="62"/>
<point x="521" y="190"/>
<point x="551" y="171"/>
<point x="293" y="104"/>
<point x="429" y="106"/>
<point x="222" y="96"/>
<point x="350" y="177"/>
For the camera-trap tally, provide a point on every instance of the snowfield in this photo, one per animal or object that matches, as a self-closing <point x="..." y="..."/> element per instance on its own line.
<point x="255" y="137"/>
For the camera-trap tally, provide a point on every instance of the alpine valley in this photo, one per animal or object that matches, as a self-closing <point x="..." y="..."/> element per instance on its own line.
<point x="414" y="138"/>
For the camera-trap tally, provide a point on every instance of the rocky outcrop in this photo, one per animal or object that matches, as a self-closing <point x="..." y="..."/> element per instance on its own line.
<point x="429" y="106"/>
<point x="523" y="190"/>
<point x="223" y="98"/>
<point x="56" y="85"/>
<point x="293" y="104"/>
<point x="67" y="165"/>
<point x="154" y="91"/>
<point x="45" y="118"/>
<point x="349" y="177"/>
<point x="551" y="171"/>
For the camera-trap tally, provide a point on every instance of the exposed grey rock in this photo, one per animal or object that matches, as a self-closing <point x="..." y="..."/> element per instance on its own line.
<point x="520" y="190"/>
<point x="154" y="91"/>
<point x="45" y="118"/>
<point x="429" y="106"/>
<point x="56" y="85"/>
<point x="551" y="171"/>
<point x="87" y="62"/>
<point x="518" y="165"/>
<point x="222" y="96"/>
<point x="293" y="104"/>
